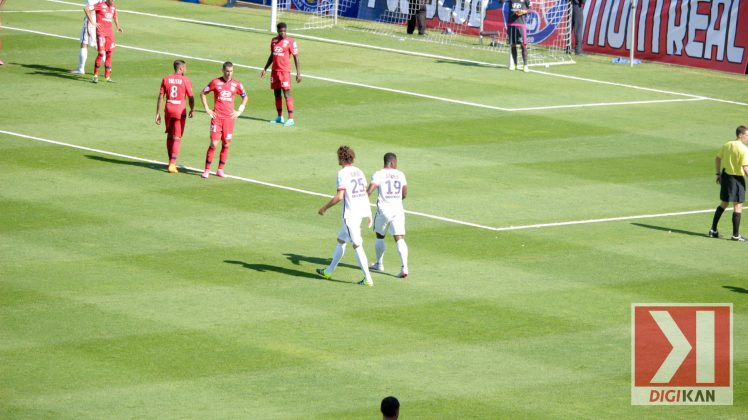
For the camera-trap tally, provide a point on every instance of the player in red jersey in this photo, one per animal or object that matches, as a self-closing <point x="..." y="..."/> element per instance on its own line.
<point x="222" y="115"/>
<point x="281" y="48"/>
<point x="106" y="13"/>
<point x="175" y="88"/>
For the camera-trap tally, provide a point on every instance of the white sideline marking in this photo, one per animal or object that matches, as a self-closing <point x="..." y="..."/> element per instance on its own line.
<point x="415" y="213"/>
<point x="654" y="101"/>
<point x="434" y="56"/>
<point x="384" y="89"/>
<point x="40" y="11"/>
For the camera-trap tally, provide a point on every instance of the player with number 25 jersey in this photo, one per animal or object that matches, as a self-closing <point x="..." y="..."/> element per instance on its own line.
<point x="351" y="190"/>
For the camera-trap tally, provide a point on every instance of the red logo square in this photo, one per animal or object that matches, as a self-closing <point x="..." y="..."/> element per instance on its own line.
<point x="681" y="354"/>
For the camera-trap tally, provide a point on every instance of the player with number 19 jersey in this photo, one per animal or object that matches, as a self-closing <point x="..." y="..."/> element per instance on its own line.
<point x="390" y="182"/>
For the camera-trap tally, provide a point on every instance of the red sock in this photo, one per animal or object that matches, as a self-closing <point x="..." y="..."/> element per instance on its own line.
<point x="169" y="147"/>
<point x="108" y="65"/>
<point x="174" y="150"/>
<point x="97" y="64"/>
<point x="279" y="105"/>
<point x="224" y="156"/>
<point x="289" y="107"/>
<point x="209" y="157"/>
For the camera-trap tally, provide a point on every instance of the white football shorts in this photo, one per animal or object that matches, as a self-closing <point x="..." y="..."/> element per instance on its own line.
<point x="350" y="231"/>
<point x="395" y="222"/>
<point x="85" y="38"/>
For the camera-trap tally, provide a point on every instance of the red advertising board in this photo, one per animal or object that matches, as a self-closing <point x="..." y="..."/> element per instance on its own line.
<point x="700" y="33"/>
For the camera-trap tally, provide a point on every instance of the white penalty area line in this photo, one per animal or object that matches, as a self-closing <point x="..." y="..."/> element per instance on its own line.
<point x="583" y="79"/>
<point x="316" y="194"/>
<point x="304" y="36"/>
<point x="372" y="87"/>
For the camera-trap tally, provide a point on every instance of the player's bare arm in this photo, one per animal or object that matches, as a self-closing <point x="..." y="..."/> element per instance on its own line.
<point x="159" y="102"/>
<point x="718" y="165"/>
<point x="372" y="187"/>
<point x="116" y="22"/>
<point x="267" y="64"/>
<point x="192" y="106"/>
<point x="90" y="16"/>
<point x="204" y="100"/>
<point x="405" y="191"/>
<point x="239" y="111"/>
<point x="298" y="68"/>
<point x="333" y="201"/>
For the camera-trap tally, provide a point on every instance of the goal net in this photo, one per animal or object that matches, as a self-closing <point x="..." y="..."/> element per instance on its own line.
<point x="469" y="30"/>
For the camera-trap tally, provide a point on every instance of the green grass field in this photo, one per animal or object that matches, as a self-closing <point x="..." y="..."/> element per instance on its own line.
<point x="127" y="292"/>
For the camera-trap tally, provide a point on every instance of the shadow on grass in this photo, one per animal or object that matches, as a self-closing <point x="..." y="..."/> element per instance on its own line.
<point x="736" y="289"/>
<point x="464" y="63"/>
<point x="296" y="259"/>
<point x="148" y="165"/>
<point x="262" y="268"/>
<point x="671" y="230"/>
<point x="43" y="70"/>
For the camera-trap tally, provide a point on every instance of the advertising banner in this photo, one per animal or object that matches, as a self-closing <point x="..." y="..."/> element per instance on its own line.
<point x="543" y="20"/>
<point x="700" y="33"/>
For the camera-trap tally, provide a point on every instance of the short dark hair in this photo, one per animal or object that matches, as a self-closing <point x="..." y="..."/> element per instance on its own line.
<point x="389" y="406"/>
<point x="389" y="157"/>
<point x="346" y="154"/>
<point x="228" y="64"/>
<point x="281" y="25"/>
<point x="740" y="131"/>
<point x="178" y="64"/>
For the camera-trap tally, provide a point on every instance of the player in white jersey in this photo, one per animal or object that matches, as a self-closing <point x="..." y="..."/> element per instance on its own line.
<point x="351" y="190"/>
<point x="393" y="188"/>
<point x="88" y="36"/>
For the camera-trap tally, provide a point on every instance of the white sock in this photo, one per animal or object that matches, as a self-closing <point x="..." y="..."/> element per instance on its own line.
<point x="380" y="247"/>
<point x="364" y="263"/>
<point x="402" y="249"/>
<point x="336" y="256"/>
<point x="82" y="56"/>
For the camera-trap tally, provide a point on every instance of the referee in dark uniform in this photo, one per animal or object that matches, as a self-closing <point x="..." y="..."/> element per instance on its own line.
<point x="731" y="166"/>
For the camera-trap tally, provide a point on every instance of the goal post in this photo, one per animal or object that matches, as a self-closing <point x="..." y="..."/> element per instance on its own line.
<point x="472" y="30"/>
<point x="307" y="14"/>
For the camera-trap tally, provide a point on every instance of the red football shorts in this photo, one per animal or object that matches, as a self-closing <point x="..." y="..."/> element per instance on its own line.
<point x="106" y="43"/>
<point x="175" y="124"/>
<point x="280" y="80"/>
<point x="222" y="129"/>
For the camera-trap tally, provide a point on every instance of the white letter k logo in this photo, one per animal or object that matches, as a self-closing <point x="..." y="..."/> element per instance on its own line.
<point x="681" y="347"/>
